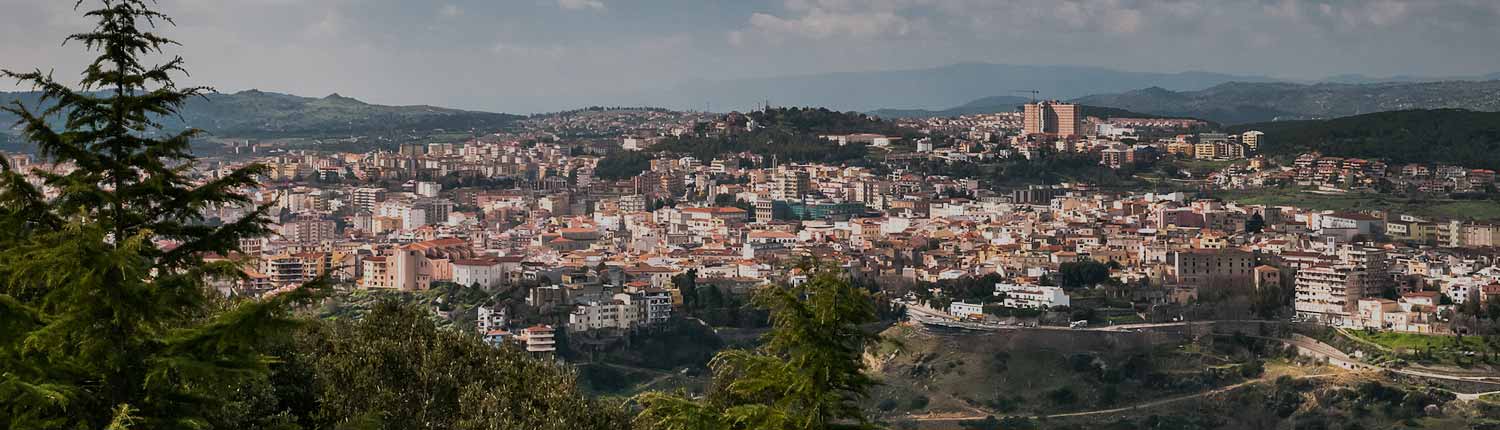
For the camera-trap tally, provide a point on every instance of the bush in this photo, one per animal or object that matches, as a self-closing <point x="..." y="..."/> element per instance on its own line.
<point x="886" y="405"/>
<point x="1253" y="369"/>
<point x="1063" y="396"/>
<point x="919" y="402"/>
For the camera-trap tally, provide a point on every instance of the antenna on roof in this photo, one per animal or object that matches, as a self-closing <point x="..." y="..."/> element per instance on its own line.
<point x="1034" y="93"/>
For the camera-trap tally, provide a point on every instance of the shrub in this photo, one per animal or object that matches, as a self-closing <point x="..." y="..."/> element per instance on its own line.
<point x="919" y="402"/>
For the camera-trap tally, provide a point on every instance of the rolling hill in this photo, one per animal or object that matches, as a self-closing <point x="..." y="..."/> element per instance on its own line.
<point x="929" y="88"/>
<point x="996" y="104"/>
<point x="264" y="114"/>
<point x="990" y="104"/>
<point x="1455" y="136"/>
<point x="1243" y="102"/>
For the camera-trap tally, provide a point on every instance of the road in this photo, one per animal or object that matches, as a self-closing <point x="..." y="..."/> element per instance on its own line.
<point x="1150" y="404"/>
<point x="1329" y="352"/>
<point x="923" y="314"/>
<point x="927" y="315"/>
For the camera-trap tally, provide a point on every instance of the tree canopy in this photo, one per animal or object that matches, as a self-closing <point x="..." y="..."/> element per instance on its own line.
<point x="808" y="374"/>
<point x="108" y="317"/>
<point x="395" y="368"/>
<point x="1456" y="136"/>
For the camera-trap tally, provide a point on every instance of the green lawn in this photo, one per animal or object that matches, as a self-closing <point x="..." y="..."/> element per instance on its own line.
<point x="1204" y="166"/>
<point x="1124" y="319"/>
<point x="1477" y="209"/>
<point x="1410" y="341"/>
<point x="1460" y="209"/>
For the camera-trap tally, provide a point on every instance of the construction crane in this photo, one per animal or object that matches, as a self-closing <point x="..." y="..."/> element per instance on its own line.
<point x="1034" y="93"/>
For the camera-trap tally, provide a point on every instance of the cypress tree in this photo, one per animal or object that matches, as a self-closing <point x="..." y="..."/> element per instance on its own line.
<point x="106" y="316"/>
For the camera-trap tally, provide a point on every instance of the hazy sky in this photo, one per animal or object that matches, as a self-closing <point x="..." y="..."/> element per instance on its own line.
<point x="537" y="55"/>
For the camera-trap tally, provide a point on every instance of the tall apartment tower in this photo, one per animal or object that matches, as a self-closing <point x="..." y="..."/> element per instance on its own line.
<point x="1061" y="119"/>
<point x="790" y="185"/>
<point x="1251" y="139"/>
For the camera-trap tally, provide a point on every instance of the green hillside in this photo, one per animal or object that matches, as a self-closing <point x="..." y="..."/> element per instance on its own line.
<point x="1455" y="136"/>
<point x="1243" y="102"/>
<point x="997" y="104"/>
<point x="787" y="134"/>
<point x="985" y="105"/>
<point x="264" y="114"/>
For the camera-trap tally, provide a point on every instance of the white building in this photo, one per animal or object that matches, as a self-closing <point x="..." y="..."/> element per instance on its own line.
<point x="491" y="319"/>
<point x="618" y="312"/>
<point x="658" y="304"/>
<point x="484" y="271"/>
<point x="1032" y="296"/>
<point x="539" y="339"/>
<point x="428" y="189"/>
<point x="924" y="145"/>
<point x="966" y="310"/>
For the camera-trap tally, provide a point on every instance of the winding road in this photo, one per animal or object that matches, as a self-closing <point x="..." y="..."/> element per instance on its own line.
<point x="1310" y="346"/>
<point x="1138" y="406"/>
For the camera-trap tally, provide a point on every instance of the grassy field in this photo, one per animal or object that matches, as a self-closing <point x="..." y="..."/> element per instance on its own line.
<point x="1201" y="168"/>
<point x="1034" y="372"/>
<point x="1460" y="209"/>
<point x="1410" y="341"/>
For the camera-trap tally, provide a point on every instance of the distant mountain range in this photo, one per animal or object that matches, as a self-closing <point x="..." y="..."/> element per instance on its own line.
<point x="931" y="88"/>
<point x="985" y="105"/>
<point x="1355" y="78"/>
<point x="998" y="104"/>
<point x="1245" y="102"/>
<point x="264" y="114"/>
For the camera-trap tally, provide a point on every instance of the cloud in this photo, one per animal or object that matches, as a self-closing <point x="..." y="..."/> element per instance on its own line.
<point x="597" y="5"/>
<point x="904" y="19"/>
<point x="823" y="24"/>
<point x="375" y="49"/>
<point x="834" y="19"/>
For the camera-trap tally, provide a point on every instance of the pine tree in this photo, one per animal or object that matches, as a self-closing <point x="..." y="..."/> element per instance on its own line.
<point x="809" y="374"/>
<point x="106" y="316"/>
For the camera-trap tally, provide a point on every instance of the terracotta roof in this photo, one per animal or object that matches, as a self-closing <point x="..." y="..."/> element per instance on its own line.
<point x="436" y="243"/>
<point x="722" y="210"/>
<point x="481" y="261"/>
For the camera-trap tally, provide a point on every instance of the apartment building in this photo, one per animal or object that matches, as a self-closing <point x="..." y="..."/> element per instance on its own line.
<point x="1032" y="296"/>
<point x="1202" y="266"/>
<point x="1329" y="293"/>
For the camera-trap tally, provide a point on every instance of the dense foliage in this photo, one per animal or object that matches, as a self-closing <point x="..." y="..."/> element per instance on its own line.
<point x="808" y="374"/>
<point x="108" y="320"/>
<point x="1462" y="137"/>
<point x="622" y="165"/>
<point x="107" y="315"/>
<point x="1250" y="102"/>
<point x="1088" y="273"/>
<point x="821" y="120"/>
<point x="1047" y="168"/>
<point x="395" y="368"/>
<point x="782" y="145"/>
<point x="784" y="134"/>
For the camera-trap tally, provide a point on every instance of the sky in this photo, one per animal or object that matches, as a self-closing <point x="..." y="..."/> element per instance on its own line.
<point x="541" y="55"/>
